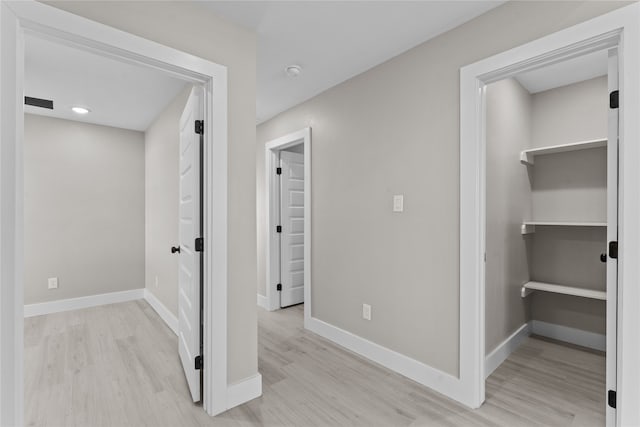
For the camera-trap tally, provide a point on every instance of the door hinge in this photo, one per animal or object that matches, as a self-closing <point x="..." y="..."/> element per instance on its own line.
<point x="198" y="362"/>
<point x="199" y="244"/>
<point x="613" y="250"/>
<point x="200" y="127"/>
<point x="614" y="100"/>
<point x="278" y="229"/>
<point x="611" y="398"/>
<point x="279" y="287"/>
<point x="278" y="171"/>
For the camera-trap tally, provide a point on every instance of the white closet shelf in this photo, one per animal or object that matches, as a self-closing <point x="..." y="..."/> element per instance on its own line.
<point x="529" y="287"/>
<point x="529" y="227"/>
<point x="527" y="156"/>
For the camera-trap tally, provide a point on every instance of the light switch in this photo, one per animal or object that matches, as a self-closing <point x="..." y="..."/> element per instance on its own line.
<point x="398" y="203"/>
<point x="53" y="283"/>
<point x="366" y="311"/>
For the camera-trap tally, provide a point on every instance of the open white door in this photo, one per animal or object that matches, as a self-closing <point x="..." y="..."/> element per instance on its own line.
<point x="292" y="235"/>
<point x="612" y="236"/>
<point x="190" y="250"/>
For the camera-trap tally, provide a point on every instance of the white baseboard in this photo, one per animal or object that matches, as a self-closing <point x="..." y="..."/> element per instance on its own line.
<point x="262" y="302"/>
<point x="39" y="309"/>
<point x="244" y="391"/>
<point x="435" y="379"/>
<point x="570" y="335"/>
<point x="504" y="349"/>
<point x="165" y="314"/>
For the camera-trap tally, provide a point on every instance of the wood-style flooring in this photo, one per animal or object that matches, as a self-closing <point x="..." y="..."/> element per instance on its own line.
<point x="118" y="365"/>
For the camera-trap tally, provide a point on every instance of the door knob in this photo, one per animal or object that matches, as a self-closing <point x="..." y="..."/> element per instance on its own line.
<point x="175" y="249"/>
<point x="603" y="257"/>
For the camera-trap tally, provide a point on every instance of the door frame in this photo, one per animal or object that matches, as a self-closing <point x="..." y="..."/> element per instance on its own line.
<point x="618" y="28"/>
<point x="272" y="149"/>
<point x="18" y="18"/>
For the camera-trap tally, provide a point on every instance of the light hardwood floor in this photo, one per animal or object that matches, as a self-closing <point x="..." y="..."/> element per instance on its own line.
<point x="117" y="365"/>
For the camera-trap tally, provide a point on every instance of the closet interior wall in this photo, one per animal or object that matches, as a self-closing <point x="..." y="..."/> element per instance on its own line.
<point x="559" y="187"/>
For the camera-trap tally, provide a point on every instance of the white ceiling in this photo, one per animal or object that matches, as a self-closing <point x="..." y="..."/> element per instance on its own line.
<point x="118" y="94"/>
<point x="565" y="73"/>
<point x="334" y="40"/>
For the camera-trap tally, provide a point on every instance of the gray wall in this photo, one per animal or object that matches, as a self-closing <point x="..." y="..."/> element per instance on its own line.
<point x="395" y="129"/>
<point x="83" y="208"/>
<point x="570" y="186"/>
<point x="508" y="204"/>
<point x="192" y="28"/>
<point x="162" y="158"/>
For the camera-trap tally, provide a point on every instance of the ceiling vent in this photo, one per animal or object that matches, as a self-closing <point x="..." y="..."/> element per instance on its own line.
<point x="38" y="102"/>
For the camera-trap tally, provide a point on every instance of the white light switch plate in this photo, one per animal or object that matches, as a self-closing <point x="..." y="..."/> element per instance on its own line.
<point x="398" y="203"/>
<point x="366" y="311"/>
<point x="53" y="283"/>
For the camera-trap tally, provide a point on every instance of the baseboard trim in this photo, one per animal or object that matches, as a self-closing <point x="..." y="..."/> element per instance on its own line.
<point x="244" y="391"/>
<point x="504" y="349"/>
<point x="31" y="310"/>
<point x="570" y="335"/>
<point x="424" y="374"/>
<point x="262" y="302"/>
<point x="165" y="314"/>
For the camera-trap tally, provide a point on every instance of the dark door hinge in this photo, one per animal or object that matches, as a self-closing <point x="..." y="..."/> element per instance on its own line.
<point x="200" y="127"/>
<point x="278" y="171"/>
<point x="198" y="362"/>
<point x="613" y="250"/>
<point x="199" y="244"/>
<point x="611" y="398"/>
<point x="614" y="100"/>
<point x="278" y="229"/>
<point x="279" y="287"/>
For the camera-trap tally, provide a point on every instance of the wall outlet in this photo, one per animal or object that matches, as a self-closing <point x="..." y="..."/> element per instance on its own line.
<point x="53" y="283"/>
<point x="366" y="311"/>
<point x="156" y="281"/>
<point x="398" y="203"/>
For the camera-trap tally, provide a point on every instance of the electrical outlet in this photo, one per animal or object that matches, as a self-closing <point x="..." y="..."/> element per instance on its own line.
<point x="53" y="283"/>
<point x="156" y="281"/>
<point x="366" y="311"/>
<point x="398" y="203"/>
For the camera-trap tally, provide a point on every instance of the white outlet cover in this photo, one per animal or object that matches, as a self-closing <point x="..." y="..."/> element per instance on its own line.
<point x="53" y="283"/>
<point x="398" y="203"/>
<point x="366" y="311"/>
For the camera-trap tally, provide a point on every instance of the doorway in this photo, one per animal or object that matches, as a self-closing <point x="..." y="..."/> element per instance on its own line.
<point x="288" y="180"/>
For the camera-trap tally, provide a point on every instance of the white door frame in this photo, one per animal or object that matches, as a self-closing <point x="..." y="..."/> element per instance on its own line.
<point x="618" y="28"/>
<point x="18" y="18"/>
<point x="272" y="148"/>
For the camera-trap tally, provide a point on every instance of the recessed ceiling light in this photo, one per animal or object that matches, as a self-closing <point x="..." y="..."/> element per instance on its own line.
<point x="80" y="110"/>
<point x="293" y="70"/>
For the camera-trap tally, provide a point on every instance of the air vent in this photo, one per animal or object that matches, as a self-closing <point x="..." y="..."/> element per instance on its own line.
<point x="38" y="102"/>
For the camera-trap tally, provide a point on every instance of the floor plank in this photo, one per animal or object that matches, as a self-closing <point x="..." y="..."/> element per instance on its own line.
<point x="118" y="365"/>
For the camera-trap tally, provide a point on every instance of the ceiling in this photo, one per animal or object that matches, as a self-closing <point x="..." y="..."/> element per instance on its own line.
<point x="118" y="94"/>
<point x="564" y="73"/>
<point x="334" y="40"/>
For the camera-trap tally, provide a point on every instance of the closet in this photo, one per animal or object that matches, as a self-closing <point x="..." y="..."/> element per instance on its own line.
<point x="551" y="210"/>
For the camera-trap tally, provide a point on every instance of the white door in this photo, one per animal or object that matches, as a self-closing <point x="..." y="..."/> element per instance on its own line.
<point x="612" y="236"/>
<point x="292" y="235"/>
<point x="190" y="228"/>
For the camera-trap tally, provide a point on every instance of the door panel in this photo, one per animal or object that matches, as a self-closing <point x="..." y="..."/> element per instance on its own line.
<point x="612" y="235"/>
<point x="292" y="236"/>
<point x="190" y="228"/>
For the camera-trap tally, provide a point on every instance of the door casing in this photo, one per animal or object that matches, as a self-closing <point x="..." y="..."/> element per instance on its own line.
<point x="272" y="148"/>
<point x="615" y="29"/>
<point x="45" y="21"/>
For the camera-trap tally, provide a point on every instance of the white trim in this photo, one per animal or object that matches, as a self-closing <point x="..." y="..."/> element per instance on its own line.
<point x="422" y="373"/>
<point x="271" y="156"/>
<point x="46" y="21"/>
<point x="244" y="391"/>
<point x="505" y="348"/>
<point x="617" y="28"/>
<point x="38" y="309"/>
<point x="262" y="302"/>
<point x="165" y="314"/>
<point x="570" y="335"/>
